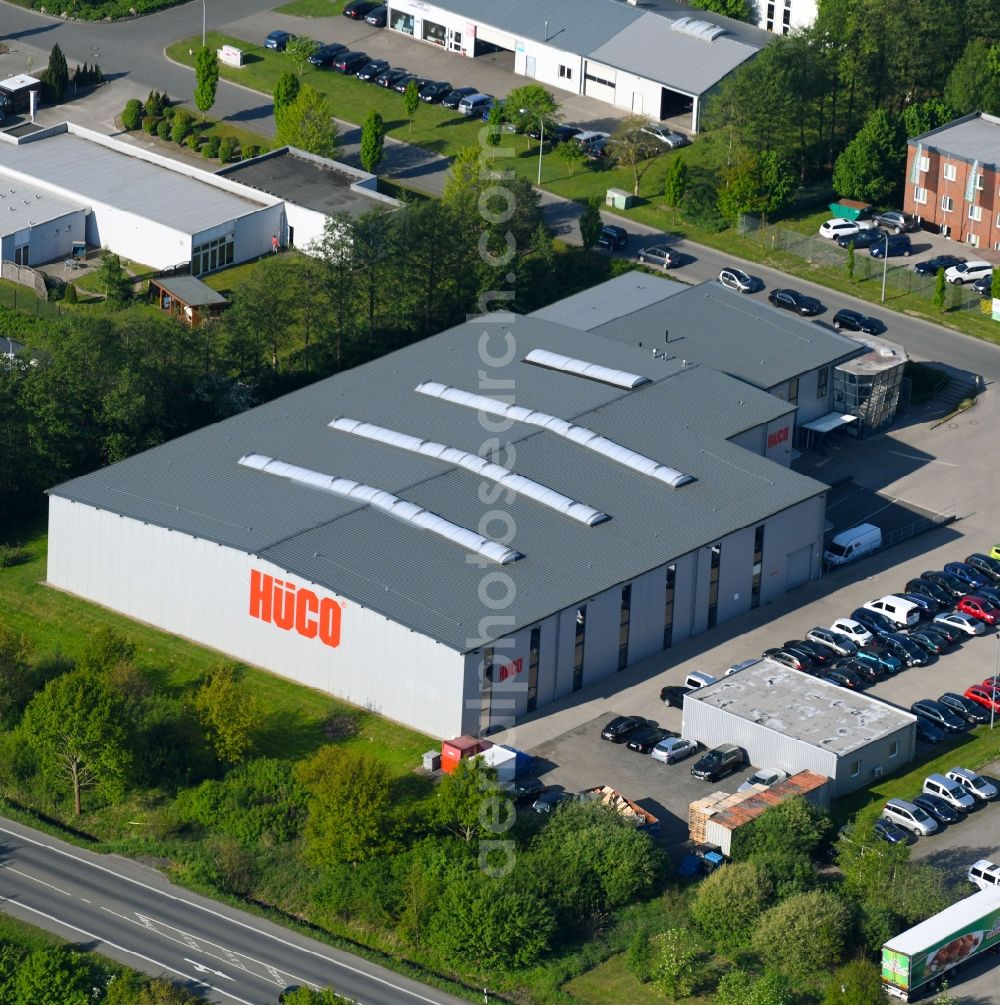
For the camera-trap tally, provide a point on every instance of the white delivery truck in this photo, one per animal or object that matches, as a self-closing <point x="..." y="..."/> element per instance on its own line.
<point x="851" y="544"/>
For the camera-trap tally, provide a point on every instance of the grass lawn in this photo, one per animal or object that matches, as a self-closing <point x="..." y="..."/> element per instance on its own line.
<point x="610" y="983"/>
<point x="19" y="933"/>
<point x="312" y="8"/>
<point x="293" y="716"/>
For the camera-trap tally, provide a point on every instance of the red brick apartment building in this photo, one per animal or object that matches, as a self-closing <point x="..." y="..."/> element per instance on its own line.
<point x="952" y="180"/>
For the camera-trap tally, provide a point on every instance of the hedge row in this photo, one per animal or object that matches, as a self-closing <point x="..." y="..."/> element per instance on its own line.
<point x="98" y="10"/>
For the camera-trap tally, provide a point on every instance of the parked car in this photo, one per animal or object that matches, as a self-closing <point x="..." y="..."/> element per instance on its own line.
<point x="984" y="874"/>
<point x="984" y="286"/>
<point x="948" y="633"/>
<point x="965" y="707"/>
<point x="896" y="221"/>
<point x="697" y="679"/>
<point x="670" y="139"/>
<point x="659" y="255"/>
<point x="613" y="237"/>
<point x="326" y="54"/>
<point x="372" y="69"/>
<point x="843" y="677"/>
<point x="562" y="133"/>
<point x="435" y="91"/>
<point x="902" y="613"/>
<point x="979" y="608"/>
<point x="819" y="654"/>
<point x="890" y="832"/>
<point x="951" y="792"/>
<point x="983" y="563"/>
<point x="990" y="593"/>
<point x="719" y="762"/>
<point x="927" y="606"/>
<point x="947" y="582"/>
<point x="524" y="790"/>
<point x="938" y="262"/>
<point x="350" y="62"/>
<point x="673" y="749"/>
<point x="854" y="630"/>
<point x="377" y="16"/>
<point x="963" y="622"/>
<point x="473" y="104"/>
<point x="672" y="696"/>
<point x="838" y="642"/>
<point x="906" y="649"/>
<point x="977" y="786"/>
<point x="278" y="40"/>
<point x="928" y="589"/>
<point x="939" y="714"/>
<point x="590" y="136"/>
<point x="987" y="697"/>
<point x="359" y="9"/>
<point x="797" y="661"/>
<point x="411" y="78"/>
<point x="854" y="321"/>
<point x="736" y="279"/>
<point x="910" y="817"/>
<point x="877" y="624"/>
<point x="930" y="641"/>
<point x="839" y="227"/>
<point x="763" y="776"/>
<point x="968" y="574"/>
<point x="892" y="246"/>
<point x="968" y="272"/>
<point x="791" y="300"/>
<point x="454" y="98"/>
<point x="942" y="811"/>
<point x="642" y="741"/>
<point x="927" y="732"/>
<point x="877" y="655"/>
<point x="620" y="728"/>
<point x="862" y="239"/>
<point x="866" y="672"/>
<point x="550" y="799"/>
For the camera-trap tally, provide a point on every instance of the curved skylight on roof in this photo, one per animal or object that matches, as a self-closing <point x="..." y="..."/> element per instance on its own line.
<point x="698" y="29"/>
<point x="580" y="367"/>
<point x="578" y="434"/>
<point x="478" y="466"/>
<point x="388" y="503"/>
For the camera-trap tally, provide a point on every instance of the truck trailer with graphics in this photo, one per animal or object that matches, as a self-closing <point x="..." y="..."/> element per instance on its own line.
<point x="921" y="958"/>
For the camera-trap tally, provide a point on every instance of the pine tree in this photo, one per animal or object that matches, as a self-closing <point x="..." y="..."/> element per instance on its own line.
<point x="57" y="73"/>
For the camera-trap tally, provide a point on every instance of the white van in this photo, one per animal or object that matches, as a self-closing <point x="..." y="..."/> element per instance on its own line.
<point x="903" y="613"/>
<point x="951" y="792"/>
<point x="851" y="544"/>
<point x="696" y="679"/>
<point x="985" y="875"/>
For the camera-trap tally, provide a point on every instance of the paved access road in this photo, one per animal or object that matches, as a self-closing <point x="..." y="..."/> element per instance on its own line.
<point x="130" y="913"/>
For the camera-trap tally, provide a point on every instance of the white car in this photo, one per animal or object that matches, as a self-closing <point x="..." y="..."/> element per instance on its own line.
<point x="985" y="875"/>
<point x="963" y="622"/>
<point x="763" y="776"/>
<point x="977" y="786"/>
<point x="673" y="749"/>
<point x="589" y="137"/>
<point x="854" y="630"/>
<point x="838" y="227"/>
<point x="968" y="272"/>
<point x="737" y="280"/>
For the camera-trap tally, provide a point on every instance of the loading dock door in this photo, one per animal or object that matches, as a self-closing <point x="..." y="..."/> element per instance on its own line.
<point x="599" y="81"/>
<point x="494" y="37"/>
<point x="799" y="567"/>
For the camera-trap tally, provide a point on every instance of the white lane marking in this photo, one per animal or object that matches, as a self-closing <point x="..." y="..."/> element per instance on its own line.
<point x="123" y="949"/>
<point x="202" y="969"/>
<point x="35" y="879"/>
<point x="926" y="460"/>
<point x="233" y="921"/>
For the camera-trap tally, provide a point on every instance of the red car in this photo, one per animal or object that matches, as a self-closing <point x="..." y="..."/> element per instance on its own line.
<point x="979" y="608"/>
<point x="988" y="697"/>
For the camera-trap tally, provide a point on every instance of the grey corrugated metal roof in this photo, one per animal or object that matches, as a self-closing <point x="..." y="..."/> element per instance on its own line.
<point x="749" y="339"/>
<point x="24" y="205"/>
<point x="91" y="171"/>
<point x="651" y="48"/>
<point x="599" y="304"/>
<point x="798" y="705"/>
<point x="975" y="137"/>
<point x="191" y="291"/>
<point x="682" y="418"/>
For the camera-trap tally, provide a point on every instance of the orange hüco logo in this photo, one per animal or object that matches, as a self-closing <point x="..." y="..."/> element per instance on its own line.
<point x="281" y="603"/>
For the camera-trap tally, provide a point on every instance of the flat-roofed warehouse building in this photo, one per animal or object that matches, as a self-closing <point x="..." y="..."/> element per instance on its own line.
<point x="351" y="536"/>
<point x="787" y="719"/>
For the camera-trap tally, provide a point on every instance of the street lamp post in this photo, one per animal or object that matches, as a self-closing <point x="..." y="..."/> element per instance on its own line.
<point x="884" y="264"/>
<point x="541" y="146"/>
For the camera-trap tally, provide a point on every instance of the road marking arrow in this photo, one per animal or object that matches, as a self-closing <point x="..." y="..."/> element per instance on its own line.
<point x="202" y="969"/>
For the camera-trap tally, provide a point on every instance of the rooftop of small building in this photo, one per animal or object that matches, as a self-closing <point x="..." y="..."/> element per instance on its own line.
<point x="973" y="138"/>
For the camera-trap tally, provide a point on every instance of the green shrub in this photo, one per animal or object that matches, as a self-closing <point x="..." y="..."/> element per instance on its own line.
<point x="193" y="141"/>
<point x="132" y="115"/>
<point x="13" y="554"/>
<point x="180" y="129"/>
<point x="211" y="148"/>
<point x="163" y="129"/>
<point x="154" y="103"/>
<point x="149" y="124"/>
<point x="227" y="149"/>
<point x="250" y="150"/>
<point x="69" y="296"/>
<point x="168" y="110"/>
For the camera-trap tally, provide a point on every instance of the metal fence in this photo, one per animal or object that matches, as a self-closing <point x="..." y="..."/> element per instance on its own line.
<point x="913" y="529"/>
<point x="22" y="299"/>
<point x="899" y="279"/>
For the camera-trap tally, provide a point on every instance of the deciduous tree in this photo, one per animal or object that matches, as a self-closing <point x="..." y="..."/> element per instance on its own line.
<point x="411" y="102"/>
<point x="308" y="123"/>
<point x="530" y="107"/>
<point x="972" y="84"/>
<point x="737" y="9"/>
<point x="468" y="798"/>
<point x="229" y="713"/>
<point x="15" y="684"/>
<point x="571" y="154"/>
<point x="113" y="279"/>
<point x="855" y="983"/>
<point x="729" y="903"/>
<point x="74" y="724"/>
<point x="298" y="50"/>
<point x="52" y="977"/>
<point x="630" y="147"/>
<point x="590" y="222"/>
<point x="286" y="90"/>
<point x="871" y="167"/>
<point x="739" y="987"/>
<point x="372" y="141"/>
<point x="206" y="77"/>
<point x="675" y="184"/>
<point x="675" y="959"/>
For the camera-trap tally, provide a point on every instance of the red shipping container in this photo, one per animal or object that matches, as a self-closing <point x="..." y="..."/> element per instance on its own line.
<point x="452" y="751"/>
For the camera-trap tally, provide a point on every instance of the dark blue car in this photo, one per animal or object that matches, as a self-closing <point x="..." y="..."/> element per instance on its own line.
<point x="877" y="624"/>
<point x="893" y="245"/>
<point x="967" y="574"/>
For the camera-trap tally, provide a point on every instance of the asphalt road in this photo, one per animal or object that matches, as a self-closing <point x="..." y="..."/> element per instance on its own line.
<point x="130" y="913"/>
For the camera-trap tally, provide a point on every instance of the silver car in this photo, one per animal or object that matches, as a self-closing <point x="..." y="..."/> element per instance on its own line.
<point x="977" y="786"/>
<point x="910" y="817"/>
<point x="659" y="254"/>
<point x="667" y="137"/>
<point x="835" y="641"/>
<point x="737" y="280"/>
<point x="963" y="622"/>
<point x="763" y="776"/>
<point x="673" y="749"/>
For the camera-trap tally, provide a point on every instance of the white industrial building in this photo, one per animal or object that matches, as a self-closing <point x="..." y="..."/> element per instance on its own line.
<point x="657" y="58"/>
<point x="789" y="720"/>
<point x="784" y="16"/>
<point x="350" y="535"/>
<point x="66" y="184"/>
